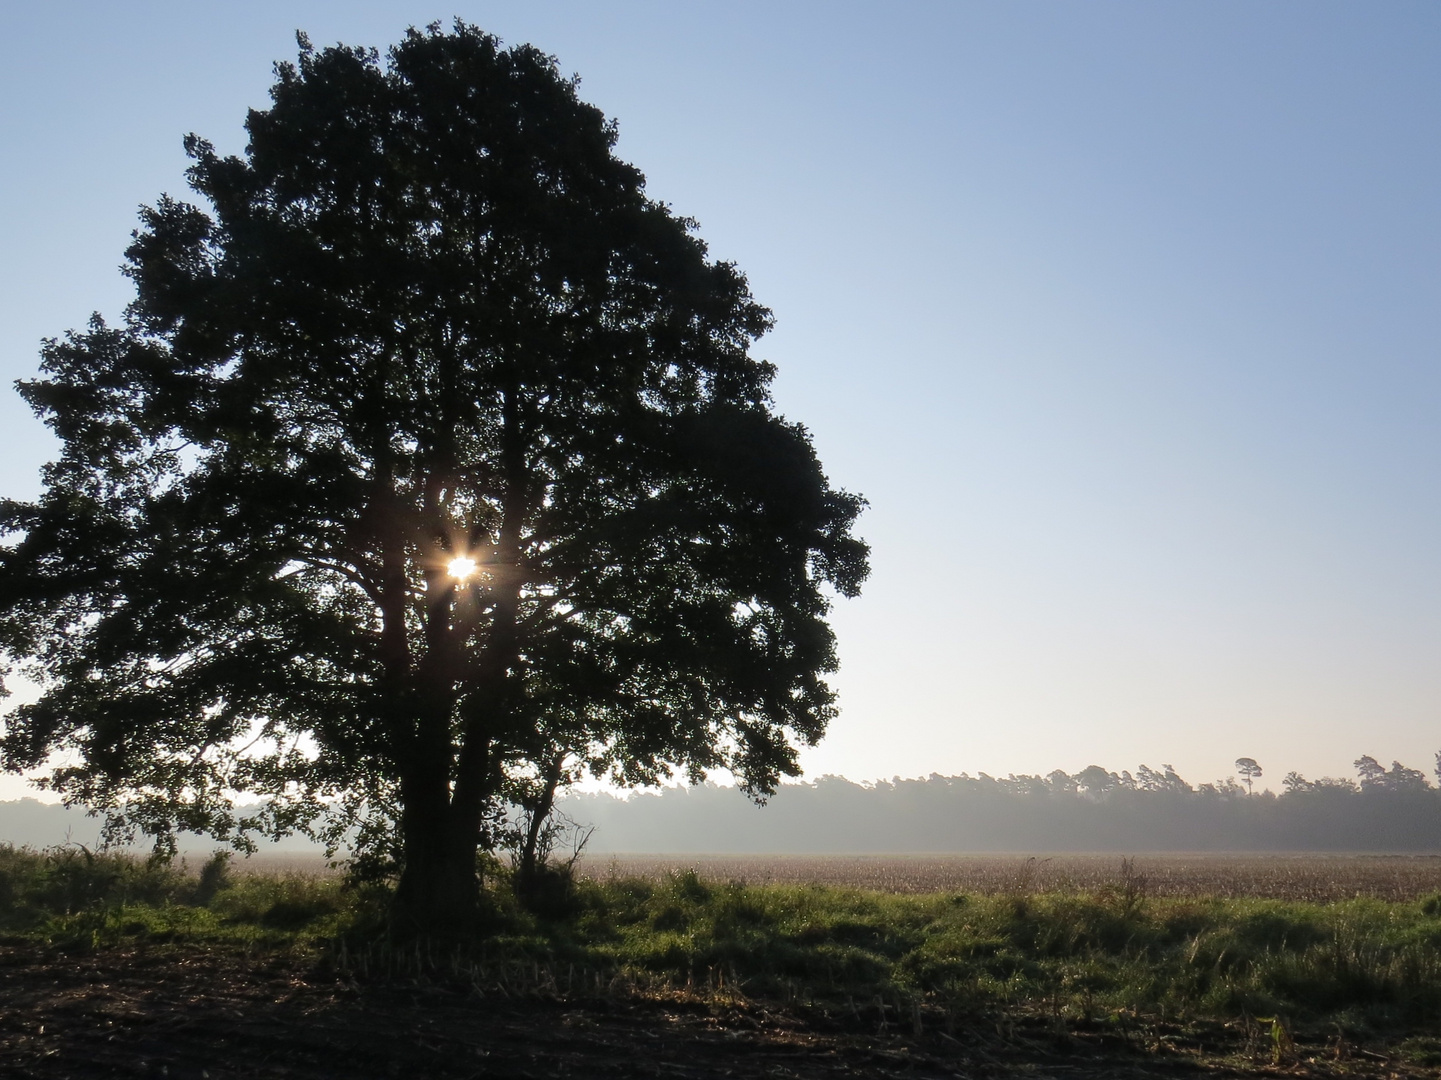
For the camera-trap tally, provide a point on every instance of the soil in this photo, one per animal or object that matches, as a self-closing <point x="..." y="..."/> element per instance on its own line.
<point x="185" y="1013"/>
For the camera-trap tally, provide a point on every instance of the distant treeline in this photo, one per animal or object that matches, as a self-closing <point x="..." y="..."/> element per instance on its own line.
<point x="1394" y="809"/>
<point x="1380" y="810"/>
<point x="31" y="823"/>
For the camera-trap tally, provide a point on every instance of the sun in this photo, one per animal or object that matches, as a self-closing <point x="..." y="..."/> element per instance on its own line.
<point x="461" y="567"/>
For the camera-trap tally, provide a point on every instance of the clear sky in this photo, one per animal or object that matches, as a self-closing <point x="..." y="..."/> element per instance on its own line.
<point x="1124" y="316"/>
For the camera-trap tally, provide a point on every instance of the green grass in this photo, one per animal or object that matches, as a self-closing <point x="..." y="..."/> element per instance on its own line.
<point x="1362" y="963"/>
<point x="72" y="896"/>
<point x="1102" y="958"/>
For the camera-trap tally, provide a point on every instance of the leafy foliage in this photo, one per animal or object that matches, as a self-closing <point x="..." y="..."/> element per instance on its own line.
<point x="427" y="316"/>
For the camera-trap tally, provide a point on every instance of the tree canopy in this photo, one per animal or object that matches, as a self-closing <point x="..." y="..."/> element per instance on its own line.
<point x="429" y="464"/>
<point x="1248" y="770"/>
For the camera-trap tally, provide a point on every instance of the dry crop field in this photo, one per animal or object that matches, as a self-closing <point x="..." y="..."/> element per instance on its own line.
<point x="1280" y="877"/>
<point x="1272" y="876"/>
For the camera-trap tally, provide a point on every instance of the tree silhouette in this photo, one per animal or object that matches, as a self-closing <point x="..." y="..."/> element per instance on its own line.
<point x="1094" y="780"/>
<point x="1294" y="782"/>
<point x="1148" y="779"/>
<point x="1401" y="778"/>
<point x="1249" y="771"/>
<point x="1370" y="772"/>
<point x="430" y="463"/>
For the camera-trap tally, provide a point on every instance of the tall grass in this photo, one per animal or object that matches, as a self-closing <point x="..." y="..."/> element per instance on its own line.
<point x="71" y="895"/>
<point x="1104" y="956"/>
<point x="1085" y="957"/>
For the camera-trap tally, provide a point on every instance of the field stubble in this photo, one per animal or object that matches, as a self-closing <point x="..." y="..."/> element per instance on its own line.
<point x="1307" y="877"/>
<point x="1314" y="878"/>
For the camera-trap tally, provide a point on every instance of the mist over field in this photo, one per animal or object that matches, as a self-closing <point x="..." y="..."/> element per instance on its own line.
<point x="953" y="814"/>
<point x="1156" y="810"/>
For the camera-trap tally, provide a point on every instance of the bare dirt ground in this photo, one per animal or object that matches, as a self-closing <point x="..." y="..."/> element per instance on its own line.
<point x="189" y="1014"/>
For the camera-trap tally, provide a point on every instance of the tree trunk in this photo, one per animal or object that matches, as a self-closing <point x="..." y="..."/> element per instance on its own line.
<point x="539" y="814"/>
<point x="438" y="894"/>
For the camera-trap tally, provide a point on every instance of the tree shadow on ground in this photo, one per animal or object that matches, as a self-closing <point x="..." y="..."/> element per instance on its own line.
<point x="214" y="1014"/>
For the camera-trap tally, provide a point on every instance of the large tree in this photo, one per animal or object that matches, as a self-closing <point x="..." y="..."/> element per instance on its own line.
<point x="430" y="459"/>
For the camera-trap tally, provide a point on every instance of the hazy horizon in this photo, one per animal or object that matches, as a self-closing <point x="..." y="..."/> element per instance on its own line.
<point x="1387" y="812"/>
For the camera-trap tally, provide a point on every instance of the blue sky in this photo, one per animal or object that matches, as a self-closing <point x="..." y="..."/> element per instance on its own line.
<point x="1123" y="316"/>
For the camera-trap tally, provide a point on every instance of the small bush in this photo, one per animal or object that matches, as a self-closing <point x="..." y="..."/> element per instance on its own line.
<point x="214" y="877"/>
<point x="293" y="902"/>
<point x="63" y="881"/>
<point x="547" y="890"/>
<point x="1421" y="1049"/>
